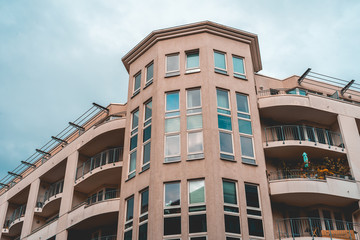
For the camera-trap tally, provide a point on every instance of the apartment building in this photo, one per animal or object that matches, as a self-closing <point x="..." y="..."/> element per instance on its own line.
<point x="204" y="148"/>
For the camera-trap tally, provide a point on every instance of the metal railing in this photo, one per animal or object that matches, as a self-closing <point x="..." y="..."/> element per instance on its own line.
<point x="95" y="198"/>
<point x="18" y="213"/>
<point x="54" y="189"/>
<point x="292" y="228"/>
<point x="100" y="159"/>
<point x="282" y="91"/>
<point x="308" y="174"/>
<point x="303" y="133"/>
<point x="110" y="237"/>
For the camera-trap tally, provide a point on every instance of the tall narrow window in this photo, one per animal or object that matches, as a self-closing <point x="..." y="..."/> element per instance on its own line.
<point x="197" y="207"/>
<point x="172" y="65"/>
<point x="254" y="210"/>
<point x="231" y="210"/>
<point x="137" y="83"/>
<point x="220" y="62"/>
<point x="133" y="143"/>
<point x="149" y="73"/>
<point x="239" y="69"/>
<point x="224" y="124"/>
<point x="172" y="127"/>
<point x="143" y="219"/>
<point x="172" y="209"/>
<point x="194" y="121"/>
<point x="147" y="135"/>
<point x="245" y="129"/>
<point x="192" y="61"/>
<point x="129" y="218"/>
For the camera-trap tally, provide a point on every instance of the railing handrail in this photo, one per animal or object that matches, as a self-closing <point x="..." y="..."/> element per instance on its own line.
<point x="17" y="214"/>
<point x="309" y="174"/>
<point x="111" y="192"/>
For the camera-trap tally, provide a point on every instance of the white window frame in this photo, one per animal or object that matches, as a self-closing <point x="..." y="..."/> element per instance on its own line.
<point x="193" y="69"/>
<point x="237" y="74"/>
<point x="225" y="130"/>
<point x="165" y="149"/>
<point x="136" y="91"/>
<point x="131" y="220"/>
<point x="173" y="72"/>
<point x="172" y="207"/>
<point x="167" y="158"/>
<point x="140" y="223"/>
<point x="233" y="206"/>
<point x="256" y="209"/>
<point x="198" y="234"/>
<point x="217" y="69"/>
<point x="149" y="81"/>
<point x="147" y="123"/>
<point x="134" y="131"/>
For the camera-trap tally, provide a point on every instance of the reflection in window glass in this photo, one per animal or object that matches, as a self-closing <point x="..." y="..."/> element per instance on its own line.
<point x="196" y="191"/>
<point x="130" y="209"/>
<point x="226" y="142"/>
<point x="146" y="157"/>
<point x="172" y="63"/>
<point x="194" y="121"/>
<point x="219" y="60"/>
<point x="224" y="122"/>
<point x="172" y="101"/>
<point x="148" y="110"/>
<point x="193" y="98"/>
<point x="197" y="223"/>
<point x="232" y="224"/>
<point x="137" y="82"/>
<point x="192" y="60"/>
<point x="229" y="191"/>
<point x="222" y="98"/>
<point x="149" y="72"/>
<point x="172" y="145"/>
<point x="242" y="103"/>
<point x="245" y="126"/>
<point x="252" y="197"/>
<point x="135" y="119"/>
<point x="144" y="201"/>
<point x="172" y="125"/>
<point x="172" y="225"/>
<point x="195" y="142"/>
<point x="132" y="162"/>
<point x="246" y="146"/>
<point x="172" y="194"/>
<point x="238" y="65"/>
<point x="255" y="227"/>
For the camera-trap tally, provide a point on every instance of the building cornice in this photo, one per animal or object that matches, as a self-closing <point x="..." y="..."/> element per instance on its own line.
<point x="196" y="28"/>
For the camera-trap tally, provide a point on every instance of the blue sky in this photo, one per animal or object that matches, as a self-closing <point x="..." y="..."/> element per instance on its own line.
<point x="57" y="57"/>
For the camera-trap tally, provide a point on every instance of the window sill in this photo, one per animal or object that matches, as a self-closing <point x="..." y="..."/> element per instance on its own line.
<point x="198" y="156"/>
<point x="226" y="157"/>
<point x="221" y="72"/>
<point x="172" y="74"/>
<point x="148" y="83"/>
<point x="144" y="170"/>
<point x="240" y="77"/>
<point x="190" y="71"/>
<point x="130" y="178"/>
<point x="135" y="93"/>
<point x="250" y="164"/>
<point x="177" y="161"/>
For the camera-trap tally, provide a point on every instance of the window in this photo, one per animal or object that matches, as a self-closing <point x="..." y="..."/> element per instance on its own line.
<point x="137" y="83"/>
<point x="172" y="127"/>
<point x="297" y="91"/>
<point x="147" y="136"/>
<point x="231" y="210"/>
<point x="220" y="62"/>
<point x="129" y="218"/>
<point x="172" y="209"/>
<point x="239" y="69"/>
<point x="197" y="207"/>
<point x="149" y="74"/>
<point x="143" y="219"/>
<point x="194" y="124"/>
<point x="172" y="65"/>
<point x="253" y="210"/>
<point x="133" y="143"/>
<point x="245" y="129"/>
<point x="224" y="124"/>
<point x="192" y="61"/>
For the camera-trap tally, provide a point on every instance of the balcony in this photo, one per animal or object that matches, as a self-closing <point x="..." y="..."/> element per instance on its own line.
<point x="315" y="228"/>
<point x="301" y="135"/>
<point x="15" y="220"/>
<point x="53" y="193"/>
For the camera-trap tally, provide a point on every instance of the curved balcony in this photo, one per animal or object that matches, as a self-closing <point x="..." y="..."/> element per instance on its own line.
<point x="295" y="136"/>
<point x="103" y="165"/>
<point x="13" y="225"/>
<point x="316" y="228"/>
<point x="51" y="198"/>
<point x="308" y="188"/>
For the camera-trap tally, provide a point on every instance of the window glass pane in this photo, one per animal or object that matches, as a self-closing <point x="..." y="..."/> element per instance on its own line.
<point x="172" y="101"/>
<point x="232" y="224"/>
<point x="195" y="143"/>
<point x="245" y="126"/>
<point x="255" y="227"/>
<point x="219" y="60"/>
<point x="198" y="238"/>
<point x="172" y="194"/>
<point x="144" y="201"/>
<point x="172" y="125"/>
<point x="147" y="133"/>
<point x="224" y="122"/>
<point x="172" y="145"/>
<point x="128" y="235"/>
<point x="142" y="232"/>
<point x="292" y="91"/>
<point x="133" y="142"/>
<point x="146" y="156"/>
<point x="252" y="198"/>
<point x="229" y="190"/>
<point x="172" y="225"/>
<point x="192" y="60"/>
<point x="137" y="82"/>
<point x="302" y="92"/>
<point x="193" y="98"/>
<point x="148" y="110"/>
<point x="194" y="121"/>
<point x="238" y="65"/>
<point x="197" y="223"/>
<point x="197" y="191"/>
<point x="242" y="103"/>
<point x="172" y="63"/>
<point x="226" y="142"/>
<point x="222" y="98"/>
<point x="132" y="161"/>
<point x="135" y="119"/>
<point x="246" y="146"/>
<point x="130" y="209"/>
<point x="150" y="72"/>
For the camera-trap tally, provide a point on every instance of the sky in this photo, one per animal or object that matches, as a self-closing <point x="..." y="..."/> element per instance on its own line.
<point x="58" y="57"/>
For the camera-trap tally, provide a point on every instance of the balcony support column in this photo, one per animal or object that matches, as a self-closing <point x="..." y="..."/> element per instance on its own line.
<point x="30" y="208"/>
<point x="3" y="211"/>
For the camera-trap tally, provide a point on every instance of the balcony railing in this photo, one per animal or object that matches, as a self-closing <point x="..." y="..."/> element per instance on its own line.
<point x="292" y="228"/>
<point x="282" y="91"/>
<point x="18" y="213"/>
<point x="303" y="174"/>
<point x="302" y="133"/>
<point x="110" y="237"/>
<point x="100" y="159"/>
<point x="99" y="197"/>
<point x="54" y="189"/>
